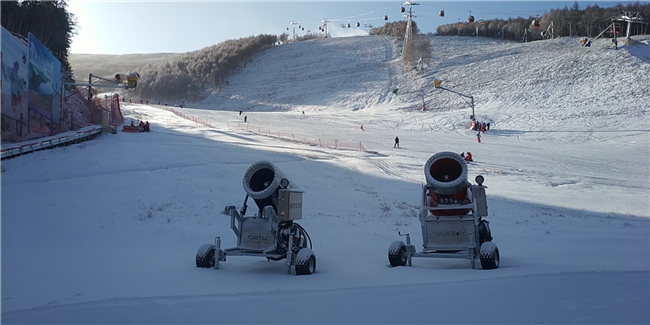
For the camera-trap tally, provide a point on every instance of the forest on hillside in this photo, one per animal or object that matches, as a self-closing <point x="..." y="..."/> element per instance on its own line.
<point x="569" y="21"/>
<point x="187" y="75"/>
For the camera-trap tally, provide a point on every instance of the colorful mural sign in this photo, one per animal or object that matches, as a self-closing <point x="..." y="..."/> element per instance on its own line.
<point x="15" y="67"/>
<point x="44" y="81"/>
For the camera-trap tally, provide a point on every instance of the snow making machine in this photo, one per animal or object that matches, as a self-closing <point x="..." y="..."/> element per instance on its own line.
<point x="271" y="232"/>
<point x="452" y="217"/>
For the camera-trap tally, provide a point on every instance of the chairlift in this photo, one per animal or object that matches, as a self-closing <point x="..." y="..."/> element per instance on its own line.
<point x="385" y="17"/>
<point x="442" y="13"/>
<point x="348" y="25"/>
<point x="470" y="19"/>
<point x="535" y="23"/>
<point x="358" y="24"/>
<point x="402" y="9"/>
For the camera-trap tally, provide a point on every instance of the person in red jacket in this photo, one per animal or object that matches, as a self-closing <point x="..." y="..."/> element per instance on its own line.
<point x="468" y="156"/>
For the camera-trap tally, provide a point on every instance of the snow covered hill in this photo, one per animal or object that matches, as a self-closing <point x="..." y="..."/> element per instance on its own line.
<point x="106" y="231"/>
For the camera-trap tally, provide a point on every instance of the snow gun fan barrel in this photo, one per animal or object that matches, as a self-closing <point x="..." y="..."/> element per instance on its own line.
<point x="446" y="173"/>
<point x="262" y="181"/>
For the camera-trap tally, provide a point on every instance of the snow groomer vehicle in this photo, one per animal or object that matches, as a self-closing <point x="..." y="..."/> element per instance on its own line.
<point x="452" y="217"/>
<point x="271" y="232"/>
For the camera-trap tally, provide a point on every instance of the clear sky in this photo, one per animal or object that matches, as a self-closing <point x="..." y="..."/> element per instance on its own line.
<point x="121" y="26"/>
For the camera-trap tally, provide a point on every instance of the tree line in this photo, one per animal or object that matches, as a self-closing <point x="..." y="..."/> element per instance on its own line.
<point x="49" y="21"/>
<point x="569" y="21"/>
<point x="187" y="75"/>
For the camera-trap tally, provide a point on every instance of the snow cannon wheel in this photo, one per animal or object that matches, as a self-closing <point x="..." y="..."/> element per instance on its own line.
<point x="397" y="254"/>
<point x="205" y="256"/>
<point x="489" y="256"/>
<point x="305" y="262"/>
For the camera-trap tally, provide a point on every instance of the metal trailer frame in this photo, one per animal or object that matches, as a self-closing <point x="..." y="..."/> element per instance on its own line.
<point x="455" y="236"/>
<point x="264" y="231"/>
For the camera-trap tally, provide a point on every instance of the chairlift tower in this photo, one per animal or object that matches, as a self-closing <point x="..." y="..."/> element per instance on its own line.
<point x="293" y="23"/>
<point x="326" y="24"/>
<point x="630" y="18"/>
<point x="409" y="23"/>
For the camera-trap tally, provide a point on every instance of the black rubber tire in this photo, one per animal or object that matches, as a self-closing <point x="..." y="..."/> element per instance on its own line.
<point x="397" y="257"/>
<point x="205" y="256"/>
<point x="308" y="267"/>
<point x="484" y="233"/>
<point x="490" y="260"/>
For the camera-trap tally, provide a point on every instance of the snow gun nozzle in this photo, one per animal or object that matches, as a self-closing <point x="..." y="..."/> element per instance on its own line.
<point x="261" y="182"/>
<point x="446" y="173"/>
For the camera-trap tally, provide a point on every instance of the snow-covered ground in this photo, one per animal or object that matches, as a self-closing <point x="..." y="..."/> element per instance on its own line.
<point x="106" y="231"/>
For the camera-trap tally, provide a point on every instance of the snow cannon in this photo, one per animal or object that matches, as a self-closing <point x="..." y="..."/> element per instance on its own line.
<point x="268" y="186"/>
<point x="271" y="232"/>
<point x="452" y="216"/>
<point x="446" y="175"/>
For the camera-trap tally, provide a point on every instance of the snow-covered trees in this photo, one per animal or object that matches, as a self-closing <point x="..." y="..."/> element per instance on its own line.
<point x="187" y="75"/>
<point x="571" y="21"/>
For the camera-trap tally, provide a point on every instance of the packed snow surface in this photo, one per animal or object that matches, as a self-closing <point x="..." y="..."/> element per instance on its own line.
<point x="106" y="231"/>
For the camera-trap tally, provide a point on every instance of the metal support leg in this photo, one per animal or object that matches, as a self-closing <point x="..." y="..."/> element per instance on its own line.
<point x="409" y="249"/>
<point x="217" y="251"/>
<point x="472" y="257"/>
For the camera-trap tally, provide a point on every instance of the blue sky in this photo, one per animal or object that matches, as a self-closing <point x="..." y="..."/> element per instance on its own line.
<point x="121" y="27"/>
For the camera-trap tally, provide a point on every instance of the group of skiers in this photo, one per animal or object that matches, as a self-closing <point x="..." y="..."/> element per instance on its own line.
<point x="478" y="126"/>
<point x="144" y="126"/>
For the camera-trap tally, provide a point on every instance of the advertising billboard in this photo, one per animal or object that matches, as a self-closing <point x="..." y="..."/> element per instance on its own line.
<point x="15" y="67"/>
<point x="44" y="81"/>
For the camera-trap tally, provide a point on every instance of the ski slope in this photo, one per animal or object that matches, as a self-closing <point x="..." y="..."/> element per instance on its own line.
<point x="106" y="231"/>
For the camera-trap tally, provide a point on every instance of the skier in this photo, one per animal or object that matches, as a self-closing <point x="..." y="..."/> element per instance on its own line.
<point x="362" y="127"/>
<point x="245" y="118"/>
<point x="488" y="126"/>
<point x="468" y="157"/>
<point x="478" y="137"/>
<point x="396" y="145"/>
